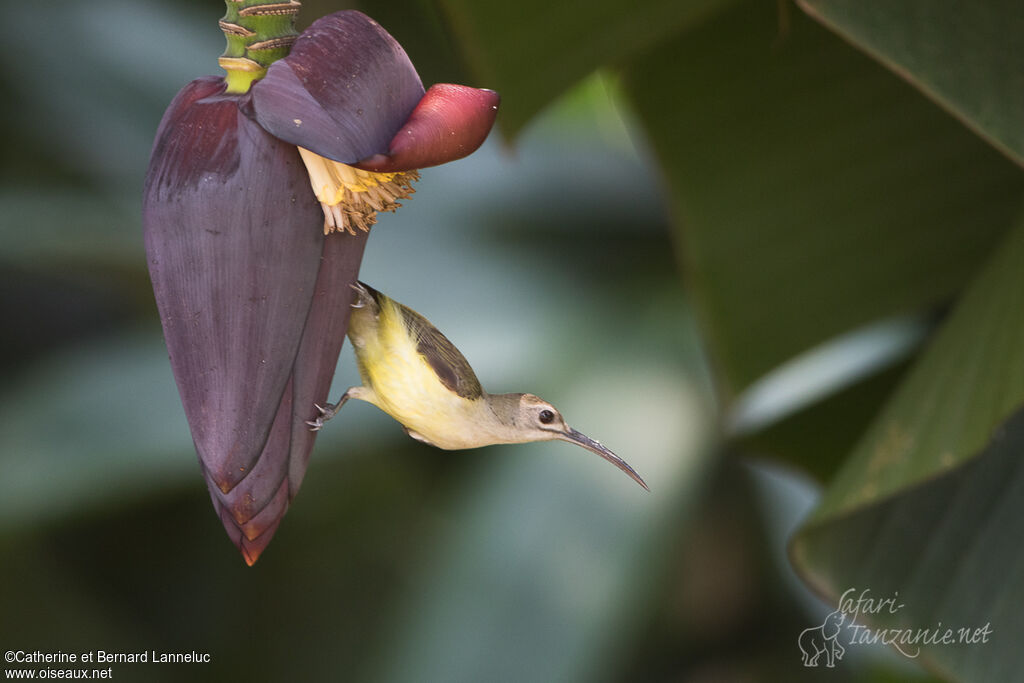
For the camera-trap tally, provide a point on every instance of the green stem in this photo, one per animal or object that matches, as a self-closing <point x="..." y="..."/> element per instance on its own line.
<point x="259" y="32"/>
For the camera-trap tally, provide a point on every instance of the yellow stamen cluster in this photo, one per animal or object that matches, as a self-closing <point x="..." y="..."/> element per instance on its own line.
<point x="351" y="197"/>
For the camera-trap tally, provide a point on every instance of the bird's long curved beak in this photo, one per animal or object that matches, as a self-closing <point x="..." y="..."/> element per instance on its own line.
<point x="580" y="439"/>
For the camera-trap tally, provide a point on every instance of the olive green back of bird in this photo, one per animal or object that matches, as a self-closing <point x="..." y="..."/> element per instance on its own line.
<point x="447" y="362"/>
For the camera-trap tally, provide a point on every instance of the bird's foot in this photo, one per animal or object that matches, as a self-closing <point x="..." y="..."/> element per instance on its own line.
<point x="326" y="413"/>
<point x="361" y="295"/>
<point x="329" y="410"/>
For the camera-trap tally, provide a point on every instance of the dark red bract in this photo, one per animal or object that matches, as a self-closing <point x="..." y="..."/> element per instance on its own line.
<point x="253" y="298"/>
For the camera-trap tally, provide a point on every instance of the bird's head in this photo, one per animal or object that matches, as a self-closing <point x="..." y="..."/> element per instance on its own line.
<point x="534" y="419"/>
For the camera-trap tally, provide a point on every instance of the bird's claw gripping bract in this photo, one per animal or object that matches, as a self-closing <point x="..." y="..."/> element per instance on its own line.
<point x="253" y="296"/>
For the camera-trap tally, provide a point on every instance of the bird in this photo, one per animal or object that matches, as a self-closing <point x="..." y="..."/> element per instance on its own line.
<point x="412" y="372"/>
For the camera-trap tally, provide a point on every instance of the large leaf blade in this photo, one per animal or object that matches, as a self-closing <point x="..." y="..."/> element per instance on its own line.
<point x="949" y="550"/>
<point x="930" y="504"/>
<point x="967" y="383"/>
<point x="968" y="57"/>
<point x="812" y="191"/>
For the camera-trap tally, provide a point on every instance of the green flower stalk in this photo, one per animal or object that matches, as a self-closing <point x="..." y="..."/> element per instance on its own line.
<point x="258" y="35"/>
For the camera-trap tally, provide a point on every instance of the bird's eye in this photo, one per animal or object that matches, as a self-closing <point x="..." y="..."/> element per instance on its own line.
<point x="546" y="416"/>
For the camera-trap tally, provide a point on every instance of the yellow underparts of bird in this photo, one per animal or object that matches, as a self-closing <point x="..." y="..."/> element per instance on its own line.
<point x="416" y="375"/>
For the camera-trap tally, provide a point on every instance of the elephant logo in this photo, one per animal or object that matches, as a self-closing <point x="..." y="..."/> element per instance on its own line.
<point x="823" y="640"/>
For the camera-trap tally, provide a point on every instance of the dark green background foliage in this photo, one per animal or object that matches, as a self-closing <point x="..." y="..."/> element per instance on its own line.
<point x="772" y="254"/>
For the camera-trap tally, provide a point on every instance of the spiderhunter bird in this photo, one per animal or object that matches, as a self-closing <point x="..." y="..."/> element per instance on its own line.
<point x="416" y="375"/>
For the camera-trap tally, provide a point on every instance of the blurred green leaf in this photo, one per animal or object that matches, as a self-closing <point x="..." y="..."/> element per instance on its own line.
<point x="533" y="51"/>
<point x="967" y="56"/>
<point x="818" y="438"/>
<point x="812" y="191"/>
<point x="949" y="549"/>
<point x="89" y="106"/>
<point x="811" y="410"/>
<point x="70" y="229"/>
<point x="85" y="427"/>
<point x="967" y="382"/>
<point x="905" y="513"/>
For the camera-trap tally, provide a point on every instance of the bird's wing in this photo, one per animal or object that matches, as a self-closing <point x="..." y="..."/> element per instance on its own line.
<point x="448" y="363"/>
